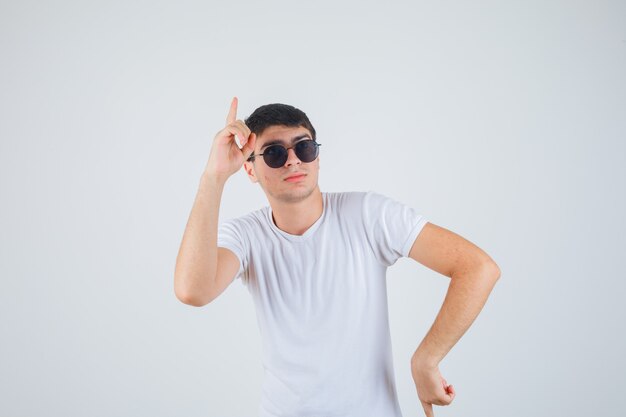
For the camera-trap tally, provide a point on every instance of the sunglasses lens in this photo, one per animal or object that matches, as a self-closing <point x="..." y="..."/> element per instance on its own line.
<point x="275" y="156"/>
<point x="306" y="151"/>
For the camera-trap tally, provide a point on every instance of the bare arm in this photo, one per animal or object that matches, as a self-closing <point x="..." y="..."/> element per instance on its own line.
<point x="203" y="270"/>
<point x="473" y="275"/>
<point x="196" y="263"/>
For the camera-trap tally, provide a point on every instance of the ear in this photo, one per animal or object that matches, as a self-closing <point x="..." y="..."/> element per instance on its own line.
<point x="249" y="168"/>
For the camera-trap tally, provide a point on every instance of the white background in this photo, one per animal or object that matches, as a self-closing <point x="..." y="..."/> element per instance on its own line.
<point x="502" y="121"/>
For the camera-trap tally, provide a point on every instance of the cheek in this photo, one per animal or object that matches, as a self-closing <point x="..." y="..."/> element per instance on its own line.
<point x="268" y="178"/>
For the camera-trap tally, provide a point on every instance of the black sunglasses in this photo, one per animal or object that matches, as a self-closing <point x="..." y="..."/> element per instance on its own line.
<point x="275" y="156"/>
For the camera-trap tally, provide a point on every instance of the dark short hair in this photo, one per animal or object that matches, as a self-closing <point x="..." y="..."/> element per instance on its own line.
<point x="277" y="114"/>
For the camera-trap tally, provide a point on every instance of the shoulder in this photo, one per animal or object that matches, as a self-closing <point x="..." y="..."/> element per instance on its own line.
<point x="379" y="200"/>
<point x="346" y="200"/>
<point x="379" y="207"/>
<point x="345" y="197"/>
<point x="373" y="202"/>
<point x="359" y="200"/>
<point x="247" y="222"/>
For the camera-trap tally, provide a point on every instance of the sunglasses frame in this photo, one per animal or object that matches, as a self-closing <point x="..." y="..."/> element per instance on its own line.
<point x="317" y="145"/>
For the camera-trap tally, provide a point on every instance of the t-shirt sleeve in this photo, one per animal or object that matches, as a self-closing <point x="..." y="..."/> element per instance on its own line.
<point x="391" y="227"/>
<point x="230" y="236"/>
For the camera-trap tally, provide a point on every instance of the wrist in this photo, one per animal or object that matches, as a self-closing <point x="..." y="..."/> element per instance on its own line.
<point x="422" y="360"/>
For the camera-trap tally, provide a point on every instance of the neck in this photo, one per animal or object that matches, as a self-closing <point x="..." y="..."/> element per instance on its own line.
<point x="297" y="217"/>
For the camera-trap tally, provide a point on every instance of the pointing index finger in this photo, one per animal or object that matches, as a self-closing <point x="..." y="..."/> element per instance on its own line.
<point x="232" y="113"/>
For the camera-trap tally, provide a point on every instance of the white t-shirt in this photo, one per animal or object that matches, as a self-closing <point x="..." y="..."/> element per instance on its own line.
<point x="321" y="304"/>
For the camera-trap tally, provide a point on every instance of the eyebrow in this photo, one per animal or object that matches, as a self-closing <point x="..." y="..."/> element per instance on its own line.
<point x="280" y="142"/>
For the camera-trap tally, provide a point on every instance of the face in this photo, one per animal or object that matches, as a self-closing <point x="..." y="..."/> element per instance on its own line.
<point x="274" y="180"/>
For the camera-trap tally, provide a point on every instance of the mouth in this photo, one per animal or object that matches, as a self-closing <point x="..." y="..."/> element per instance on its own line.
<point x="295" y="178"/>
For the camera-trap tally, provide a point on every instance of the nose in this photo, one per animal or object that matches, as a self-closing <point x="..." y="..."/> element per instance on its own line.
<point x="292" y="159"/>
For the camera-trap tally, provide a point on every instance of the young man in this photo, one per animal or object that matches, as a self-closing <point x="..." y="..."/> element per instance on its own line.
<point x="315" y="265"/>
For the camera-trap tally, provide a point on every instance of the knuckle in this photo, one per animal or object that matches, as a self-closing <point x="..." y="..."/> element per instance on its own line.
<point x="243" y="124"/>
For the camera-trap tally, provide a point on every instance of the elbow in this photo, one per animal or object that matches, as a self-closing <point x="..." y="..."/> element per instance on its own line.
<point x="485" y="268"/>
<point x="493" y="270"/>
<point x="488" y="267"/>
<point x="192" y="301"/>
<point x="190" y="297"/>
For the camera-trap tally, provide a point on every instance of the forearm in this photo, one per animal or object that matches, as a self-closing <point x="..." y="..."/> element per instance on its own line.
<point x="196" y="262"/>
<point x="467" y="294"/>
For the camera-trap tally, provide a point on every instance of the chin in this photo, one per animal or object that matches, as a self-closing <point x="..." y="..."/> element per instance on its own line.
<point x="295" y="196"/>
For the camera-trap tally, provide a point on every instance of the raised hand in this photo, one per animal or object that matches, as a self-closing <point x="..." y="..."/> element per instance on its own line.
<point x="226" y="156"/>
<point x="431" y="387"/>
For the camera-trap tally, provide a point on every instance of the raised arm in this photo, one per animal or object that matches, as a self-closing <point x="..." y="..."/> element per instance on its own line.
<point x="203" y="270"/>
